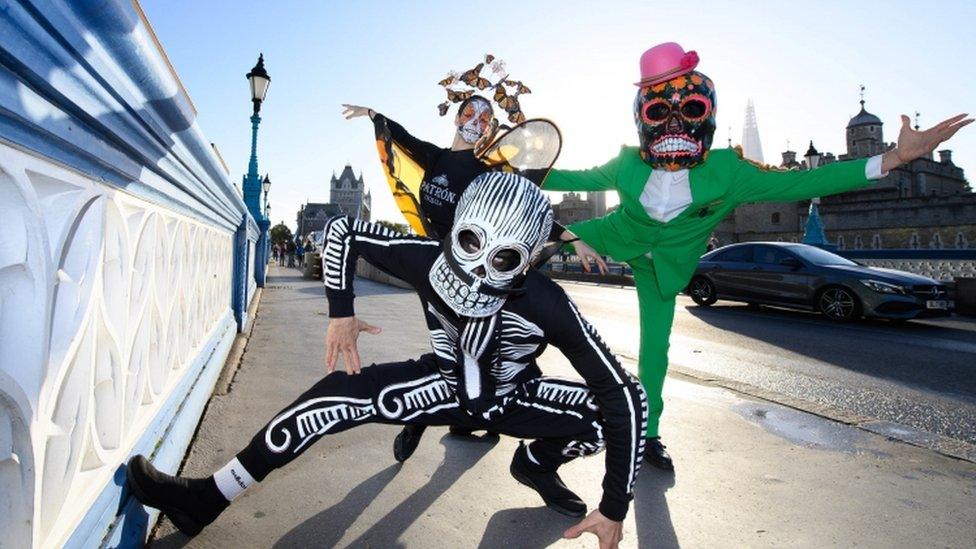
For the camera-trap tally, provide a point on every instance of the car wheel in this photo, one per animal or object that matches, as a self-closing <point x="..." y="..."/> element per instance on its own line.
<point x="839" y="304"/>
<point x="702" y="291"/>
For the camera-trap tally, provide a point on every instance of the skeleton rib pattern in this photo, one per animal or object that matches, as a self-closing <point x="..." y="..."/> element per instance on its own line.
<point x="334" y="255"/>
<point x="562" y="394"/>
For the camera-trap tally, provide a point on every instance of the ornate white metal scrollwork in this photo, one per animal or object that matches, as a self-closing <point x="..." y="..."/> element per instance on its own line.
<point x="106" y="299"/>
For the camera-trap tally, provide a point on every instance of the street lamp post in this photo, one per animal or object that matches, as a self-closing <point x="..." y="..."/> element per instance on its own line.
<point x="253" y="185"/>
<point x="813" y="233"/>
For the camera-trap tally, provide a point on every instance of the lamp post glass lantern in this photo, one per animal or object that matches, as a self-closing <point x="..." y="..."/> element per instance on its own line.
<point x="260" y="81"/>
<point x="813" y="157"/>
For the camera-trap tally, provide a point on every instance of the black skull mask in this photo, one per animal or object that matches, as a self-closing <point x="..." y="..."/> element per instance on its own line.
<point x="676" y="121"/>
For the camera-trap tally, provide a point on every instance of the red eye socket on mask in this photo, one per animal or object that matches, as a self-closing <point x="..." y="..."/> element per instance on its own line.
<point x="695" y="107"/>
<point x="656" y="111"/>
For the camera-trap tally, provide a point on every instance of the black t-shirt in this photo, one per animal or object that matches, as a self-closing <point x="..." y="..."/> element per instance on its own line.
<point x="447" y="174"/>
<point x="444" y="181"/>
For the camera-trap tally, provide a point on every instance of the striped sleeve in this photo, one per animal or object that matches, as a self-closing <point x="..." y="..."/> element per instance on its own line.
<point x="346" y="239"/>
<point x="618" y="393"/>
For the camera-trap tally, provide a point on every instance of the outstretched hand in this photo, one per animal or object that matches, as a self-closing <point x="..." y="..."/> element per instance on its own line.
<point x="355" y="111"/>
<point x="609" y="532"/>
<point x="587" y="254"/>
<point x="914" y="144"/>
<point x="340" y="338"/>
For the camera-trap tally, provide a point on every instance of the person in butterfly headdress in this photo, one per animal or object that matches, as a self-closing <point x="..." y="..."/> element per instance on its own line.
<point x="674" y="190"/>
<point x="427" y="180"/>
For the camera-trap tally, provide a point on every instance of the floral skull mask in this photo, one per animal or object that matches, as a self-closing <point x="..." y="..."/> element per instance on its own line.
<point x="676" y="121"/>
<point x="501" y="222"/>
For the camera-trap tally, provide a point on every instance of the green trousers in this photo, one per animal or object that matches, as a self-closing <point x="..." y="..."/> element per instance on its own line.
<point x="656" y="316"/>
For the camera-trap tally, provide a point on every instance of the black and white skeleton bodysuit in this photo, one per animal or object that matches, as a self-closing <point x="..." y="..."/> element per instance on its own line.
<point x="482" y="373"/>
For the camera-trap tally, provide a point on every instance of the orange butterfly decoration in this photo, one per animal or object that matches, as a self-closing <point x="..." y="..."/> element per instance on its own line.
<point x="472" y="79"/>
<point x="457" y="96"/>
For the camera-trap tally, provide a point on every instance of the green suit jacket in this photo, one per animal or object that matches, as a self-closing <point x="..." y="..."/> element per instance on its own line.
<point x="718" y="185"/>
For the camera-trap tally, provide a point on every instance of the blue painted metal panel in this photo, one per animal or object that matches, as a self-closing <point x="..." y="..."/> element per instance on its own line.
<point x="241" y="249"/>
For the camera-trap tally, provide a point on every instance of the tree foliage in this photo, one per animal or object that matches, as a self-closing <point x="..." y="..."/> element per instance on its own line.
<point x="280" y="233"/>
<point x="396" y="227"/>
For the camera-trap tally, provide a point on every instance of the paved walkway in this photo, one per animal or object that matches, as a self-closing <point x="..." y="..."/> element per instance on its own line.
<point x="749" y="473"/>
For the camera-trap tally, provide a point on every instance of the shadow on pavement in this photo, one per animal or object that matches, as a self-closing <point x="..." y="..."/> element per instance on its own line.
<point x="324" y="530"/>
<point x="327" y="528"/>
<point x="651" y="513"/>
<point x="525" y="527"/>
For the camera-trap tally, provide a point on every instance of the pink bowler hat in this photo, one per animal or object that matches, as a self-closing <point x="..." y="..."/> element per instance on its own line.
<point x="664" y="62"/>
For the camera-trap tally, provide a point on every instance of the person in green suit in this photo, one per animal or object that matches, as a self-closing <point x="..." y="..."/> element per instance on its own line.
<point x="674" y="190"/>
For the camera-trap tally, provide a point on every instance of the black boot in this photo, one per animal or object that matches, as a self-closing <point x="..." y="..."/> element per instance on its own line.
<point x="656" y="455"/>
<point x="190" y="503"/>
<point x="407" y="441"/>
<point x="547" y="483"/>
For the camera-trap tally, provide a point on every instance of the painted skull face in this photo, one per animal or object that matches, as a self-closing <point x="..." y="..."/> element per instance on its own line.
<point x="501" y="222"/>
<point x="676" y="121"/>
<point x="474" y="119"/>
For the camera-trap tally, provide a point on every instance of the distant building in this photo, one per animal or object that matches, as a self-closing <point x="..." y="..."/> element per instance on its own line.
<point x="350" y="194"/>
<point x="312" y="216"/>
<point x="925" y="204"/>
<point x="573" y="208"/>
<point x="751" y="145"/>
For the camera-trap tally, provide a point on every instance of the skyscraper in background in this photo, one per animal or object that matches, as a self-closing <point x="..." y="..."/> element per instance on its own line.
<point x="751" y="146"/>
<point x="599" y="202"/>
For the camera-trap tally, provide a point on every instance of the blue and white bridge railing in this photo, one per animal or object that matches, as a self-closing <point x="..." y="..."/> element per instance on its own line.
<point x="126" y="268"/>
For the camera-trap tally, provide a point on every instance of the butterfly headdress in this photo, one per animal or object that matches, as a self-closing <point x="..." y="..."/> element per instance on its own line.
<point x="462" y="86"/>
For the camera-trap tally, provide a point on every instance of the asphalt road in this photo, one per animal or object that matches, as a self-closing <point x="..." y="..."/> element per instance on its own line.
<point x="749" y="472"/>
<point x="921" y="374"/>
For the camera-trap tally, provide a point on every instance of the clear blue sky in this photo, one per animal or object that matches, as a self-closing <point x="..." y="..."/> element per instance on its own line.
<point x="801" y="63"/>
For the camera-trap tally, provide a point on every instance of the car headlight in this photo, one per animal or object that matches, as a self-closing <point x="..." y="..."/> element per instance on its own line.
<point x="885" y="287"/>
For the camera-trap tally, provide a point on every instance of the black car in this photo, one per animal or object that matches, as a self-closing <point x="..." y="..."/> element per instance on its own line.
<point x="806" y="277"/>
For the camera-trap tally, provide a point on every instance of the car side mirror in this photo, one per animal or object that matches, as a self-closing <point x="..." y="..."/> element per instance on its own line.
<point x="791" y="262"/>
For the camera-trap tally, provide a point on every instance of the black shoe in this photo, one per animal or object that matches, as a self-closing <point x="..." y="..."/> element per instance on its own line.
<point x="465" y="432"/>
<point x="407" y="441"/>
<point x="656" y="455"/>
<point x="190" y="503"/>
<point x="547" y="483"/>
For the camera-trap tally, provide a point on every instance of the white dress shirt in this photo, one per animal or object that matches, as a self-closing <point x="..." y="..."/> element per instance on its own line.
<point x="667" y="194"/>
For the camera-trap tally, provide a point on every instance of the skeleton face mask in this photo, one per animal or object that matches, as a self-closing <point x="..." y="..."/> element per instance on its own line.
<point x="501" y="222"/>
<point x="676" y="121"/>
<point x="474" y="119"/>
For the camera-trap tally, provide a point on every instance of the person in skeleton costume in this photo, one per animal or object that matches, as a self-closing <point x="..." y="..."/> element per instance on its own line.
<point x="490" y="315"/>
<point x="426" y="180"/>
<point x="674" y="190"/>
